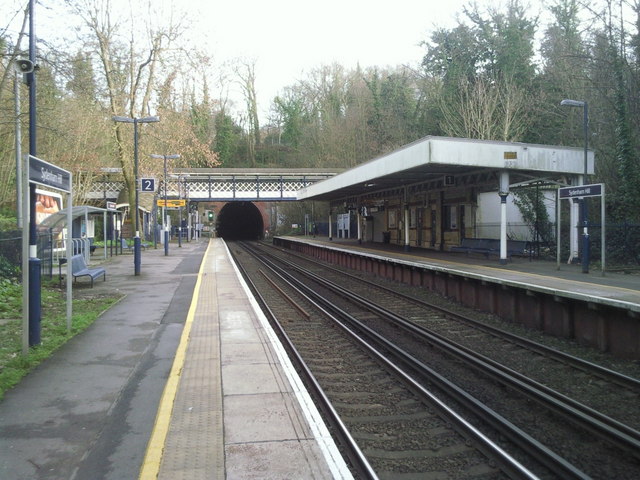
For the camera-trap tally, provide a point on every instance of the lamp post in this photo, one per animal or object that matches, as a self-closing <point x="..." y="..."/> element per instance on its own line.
<point x="136" y="240"/>
<point x="180" y="212"/>
<point x="585" y="212"/>
<point x="165" y="227"/>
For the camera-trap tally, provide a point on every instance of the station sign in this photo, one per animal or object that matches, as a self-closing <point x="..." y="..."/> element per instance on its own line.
<point x="111" y="206"/>
<point x="580" y="191"/>
<point x="49" y="175"/>
<point x="172" y="203"/>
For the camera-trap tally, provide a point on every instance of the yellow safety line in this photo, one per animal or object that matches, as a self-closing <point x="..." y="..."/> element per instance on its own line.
<point x="153" y="456"/>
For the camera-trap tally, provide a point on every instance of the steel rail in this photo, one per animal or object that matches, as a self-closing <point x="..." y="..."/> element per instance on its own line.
<point x="576" y="362"/>
<point x="537" y="450"/>
<point x="353" y="451"/>
<point x="608" y="428"/>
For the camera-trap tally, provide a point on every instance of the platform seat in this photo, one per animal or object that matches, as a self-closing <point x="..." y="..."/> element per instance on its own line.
<point x="490" y="246"/>
<point x="79" y="269"/>
<point x="483" y="246"/>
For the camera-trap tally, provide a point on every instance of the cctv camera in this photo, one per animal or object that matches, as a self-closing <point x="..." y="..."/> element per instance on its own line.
<point x="24" y="66"/>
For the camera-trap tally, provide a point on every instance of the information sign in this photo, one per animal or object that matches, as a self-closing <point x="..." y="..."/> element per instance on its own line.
<point x="47" y="174"/>
<point x="172" y="203"/>
<point x="580" y="191"/>
<point x="147" y="184"/>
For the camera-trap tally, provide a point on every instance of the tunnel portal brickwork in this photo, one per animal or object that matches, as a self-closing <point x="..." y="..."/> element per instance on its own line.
<point x="241" y="220"/>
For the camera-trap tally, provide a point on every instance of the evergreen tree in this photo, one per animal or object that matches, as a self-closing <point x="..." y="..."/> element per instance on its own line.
<point x="226" y="140"/>
<point x="627" y="196"/>
<point x="82" y="83"/>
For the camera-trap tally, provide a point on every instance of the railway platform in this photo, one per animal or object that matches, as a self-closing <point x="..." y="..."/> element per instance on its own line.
<point x="598" y="310"/>
<point x="612" y="285"/>
<point x="182" y="379"/>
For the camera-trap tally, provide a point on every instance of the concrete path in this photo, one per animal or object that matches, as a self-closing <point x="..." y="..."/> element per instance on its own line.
<point x="87" y="412"/>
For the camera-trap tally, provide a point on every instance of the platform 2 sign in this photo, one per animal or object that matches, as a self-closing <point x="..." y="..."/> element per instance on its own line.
<point x="147" y="184"/>
<point x="580" y="191"/>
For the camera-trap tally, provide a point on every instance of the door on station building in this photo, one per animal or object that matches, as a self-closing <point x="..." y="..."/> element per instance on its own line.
<point x="463" y="209"/>
<point x="419" y="219"/>
<point x="434" y="225"/>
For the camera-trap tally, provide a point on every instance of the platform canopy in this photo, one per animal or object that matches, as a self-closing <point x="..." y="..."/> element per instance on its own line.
<point x="463" y="161"/>
<point x="59" y="219"/>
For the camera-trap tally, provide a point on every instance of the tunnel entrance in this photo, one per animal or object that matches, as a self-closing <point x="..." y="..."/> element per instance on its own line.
<point x="240" y="221"/>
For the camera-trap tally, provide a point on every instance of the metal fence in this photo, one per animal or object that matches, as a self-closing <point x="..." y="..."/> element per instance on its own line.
<point x="10" y="253"/>
<point x="622" y="249"/>
<point x="622" y="246"/>
<point x="51" y="248"/>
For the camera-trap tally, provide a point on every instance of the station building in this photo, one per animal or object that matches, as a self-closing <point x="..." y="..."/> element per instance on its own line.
<point x="436" y="191"/>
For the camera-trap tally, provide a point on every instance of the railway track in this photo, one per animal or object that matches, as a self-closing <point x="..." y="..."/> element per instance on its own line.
<point x="573" y="376"/>
<point x="398" y="429"/>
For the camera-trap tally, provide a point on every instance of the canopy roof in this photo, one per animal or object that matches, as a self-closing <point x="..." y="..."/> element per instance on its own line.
<point x="59" y="219"/>
<point x="431" y="158"/>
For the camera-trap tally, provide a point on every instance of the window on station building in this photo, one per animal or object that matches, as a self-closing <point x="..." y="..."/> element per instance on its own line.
<point x="392" y="218"/>
<point x="451" y="217"/>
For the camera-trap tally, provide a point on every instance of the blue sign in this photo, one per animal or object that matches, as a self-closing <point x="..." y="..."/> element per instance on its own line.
<point x="580" y="191"/>
<point x="47" y="174"/>
<point x="147" y="184"/>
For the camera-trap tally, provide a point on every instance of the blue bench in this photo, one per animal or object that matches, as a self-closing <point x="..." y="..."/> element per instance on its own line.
<point x="124" y="246"/>
<point x="517" y="247"/>
<point x="129" y="248"/>
<point x="79" y="269"/>
<point x="490" y="246"/>
<point x="484" y="246"/>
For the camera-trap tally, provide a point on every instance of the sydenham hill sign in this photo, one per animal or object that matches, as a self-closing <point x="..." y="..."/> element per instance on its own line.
<point x="47" y="174"/>
<point x="580" y="191"/>
<point x="39" y="172"/>
<point x="583" y="191"/>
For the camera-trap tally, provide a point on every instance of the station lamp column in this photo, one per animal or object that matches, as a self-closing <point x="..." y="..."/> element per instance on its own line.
<point x="180" y="185"/>
<point x="585" y="212"/>
<point x="137" y="253"/>
<point x="165" y="226"/>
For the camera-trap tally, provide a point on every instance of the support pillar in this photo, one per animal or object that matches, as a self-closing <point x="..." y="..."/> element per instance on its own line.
<point x="504" y="193"/>
<point x="406" y="227"/>
<point x="573" y="232"/>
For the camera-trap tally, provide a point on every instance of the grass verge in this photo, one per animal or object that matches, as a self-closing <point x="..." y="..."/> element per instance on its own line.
<point x="53" y="327"/>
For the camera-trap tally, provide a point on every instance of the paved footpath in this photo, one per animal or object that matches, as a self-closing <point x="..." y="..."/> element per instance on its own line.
<point x="87" y="412"/>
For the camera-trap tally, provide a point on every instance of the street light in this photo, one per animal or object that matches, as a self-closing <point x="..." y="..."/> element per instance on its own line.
<point x="585" y="212"/>
<point x="136" y="239"/>
<point x="165" y="226"/>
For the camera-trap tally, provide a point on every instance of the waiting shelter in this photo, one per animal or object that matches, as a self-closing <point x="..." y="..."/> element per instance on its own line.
<point x="82" y="233"/>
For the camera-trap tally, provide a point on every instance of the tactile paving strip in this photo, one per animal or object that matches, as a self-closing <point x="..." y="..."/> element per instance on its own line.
<point x="194" y="448"/>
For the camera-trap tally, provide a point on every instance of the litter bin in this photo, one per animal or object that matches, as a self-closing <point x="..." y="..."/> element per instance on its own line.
<point x="386" y="237"/>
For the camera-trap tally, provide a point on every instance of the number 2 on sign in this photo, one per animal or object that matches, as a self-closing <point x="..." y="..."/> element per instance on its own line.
<point x="147" y="185"/>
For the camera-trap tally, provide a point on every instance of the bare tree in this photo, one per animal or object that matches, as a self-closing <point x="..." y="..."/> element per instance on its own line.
<point x="486" y="110"/>
<point x="14" y="52"/>
<point x="246" y="73"/>
<point x="129" y="66"/>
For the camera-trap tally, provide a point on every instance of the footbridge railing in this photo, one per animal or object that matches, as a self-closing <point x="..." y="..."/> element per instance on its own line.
<point x="223" y="184"/>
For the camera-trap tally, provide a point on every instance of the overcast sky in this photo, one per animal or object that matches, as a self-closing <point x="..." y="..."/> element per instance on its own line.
<point x="288" y="38"/>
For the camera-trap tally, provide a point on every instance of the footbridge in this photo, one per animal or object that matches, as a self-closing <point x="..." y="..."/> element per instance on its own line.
<point x="219" y="184"/>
